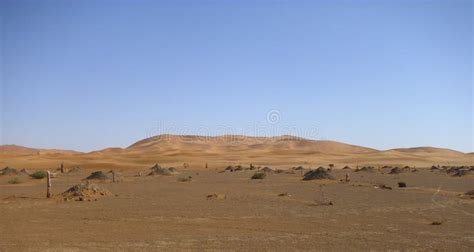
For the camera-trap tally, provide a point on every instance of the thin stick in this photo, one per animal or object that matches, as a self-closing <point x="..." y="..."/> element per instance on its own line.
<point x="48" y="184"/>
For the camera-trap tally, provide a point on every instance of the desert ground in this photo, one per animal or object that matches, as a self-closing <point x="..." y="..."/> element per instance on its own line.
<point x="220" y="207"/>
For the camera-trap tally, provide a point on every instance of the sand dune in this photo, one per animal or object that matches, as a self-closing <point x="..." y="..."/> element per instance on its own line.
<point x="231" y="149"/>
<point x="17" y="150"/>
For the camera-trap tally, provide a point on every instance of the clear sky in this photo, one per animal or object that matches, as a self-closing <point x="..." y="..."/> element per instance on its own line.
<point x="86" y="75"/>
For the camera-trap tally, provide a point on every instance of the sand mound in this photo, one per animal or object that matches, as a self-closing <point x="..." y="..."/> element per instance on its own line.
<point x="98" y="175"/>
<point x="25" y="172"/>
<point x="9" y="171"/>
<point x="232" y="168"/>
<point x="158" y="170"/>
<point x="85" y="191"/>
<point x="458" y="171"/>
<point x="267" y="169"/>
<point x="346" y="168"/>
<point x="365" y="169"/>
<point x="398" y="170"/>
<point x="319" y="173"/>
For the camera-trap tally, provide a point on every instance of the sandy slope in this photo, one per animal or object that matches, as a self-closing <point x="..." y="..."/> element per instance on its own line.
<point x="219" y="151"/>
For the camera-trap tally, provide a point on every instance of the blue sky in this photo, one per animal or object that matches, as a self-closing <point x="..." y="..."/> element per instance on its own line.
<point x="86" y="75"/>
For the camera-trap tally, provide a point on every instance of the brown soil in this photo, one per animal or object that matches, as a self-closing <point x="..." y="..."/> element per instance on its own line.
<point x="160" y="213"/>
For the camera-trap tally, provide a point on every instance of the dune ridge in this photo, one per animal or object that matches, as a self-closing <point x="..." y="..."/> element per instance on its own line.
<point x="228" y="149"/>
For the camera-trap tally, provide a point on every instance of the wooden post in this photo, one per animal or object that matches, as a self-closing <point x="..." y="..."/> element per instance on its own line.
<point x="62" y="167"/>
<point x="113" y="176"/>
<point x="347" y="177"/>
<point x="48" y="184"/>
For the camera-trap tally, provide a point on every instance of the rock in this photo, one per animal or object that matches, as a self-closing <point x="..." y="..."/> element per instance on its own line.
<point x="216" y="196"/>
<point x="382" y="186"/>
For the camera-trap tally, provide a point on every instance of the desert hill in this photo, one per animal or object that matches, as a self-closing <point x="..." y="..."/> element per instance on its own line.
<point x="17" y="150"/>
<point x="219" y="151"/>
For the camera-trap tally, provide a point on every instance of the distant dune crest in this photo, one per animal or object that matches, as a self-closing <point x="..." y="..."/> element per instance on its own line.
<point x="230" y="149"/>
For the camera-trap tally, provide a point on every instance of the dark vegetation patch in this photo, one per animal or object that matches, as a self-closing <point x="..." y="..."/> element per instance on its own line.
<point x="259" y="175"/>
<point x="320" y="173"/>
<point x="39" y="175"/>
<point x="98" y="175"/>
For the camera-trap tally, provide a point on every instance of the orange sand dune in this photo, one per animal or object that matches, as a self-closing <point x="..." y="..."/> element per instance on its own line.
<point x="282" y="151"/>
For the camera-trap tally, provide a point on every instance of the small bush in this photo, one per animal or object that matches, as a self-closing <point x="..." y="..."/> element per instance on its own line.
<point x="259" y="175"/>
<point x="15" y="180"/>
<point x="39" y="175"/>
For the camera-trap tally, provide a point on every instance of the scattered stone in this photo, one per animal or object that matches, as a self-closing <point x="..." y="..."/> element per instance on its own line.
<point x="436" y="223"/>
<point x="185" y="179"/>
<point x="230" y="168"/>
<point x="285" y="194"/>
<point x="216" y="196"/>
<point x="382" y="186"/>
<point x="402" y="184"/>
<point x="319" y="173"/>
<point x="85" y="191"/>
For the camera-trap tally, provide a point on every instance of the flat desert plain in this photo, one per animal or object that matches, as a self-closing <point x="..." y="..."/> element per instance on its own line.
<point x="203" y="206"/>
